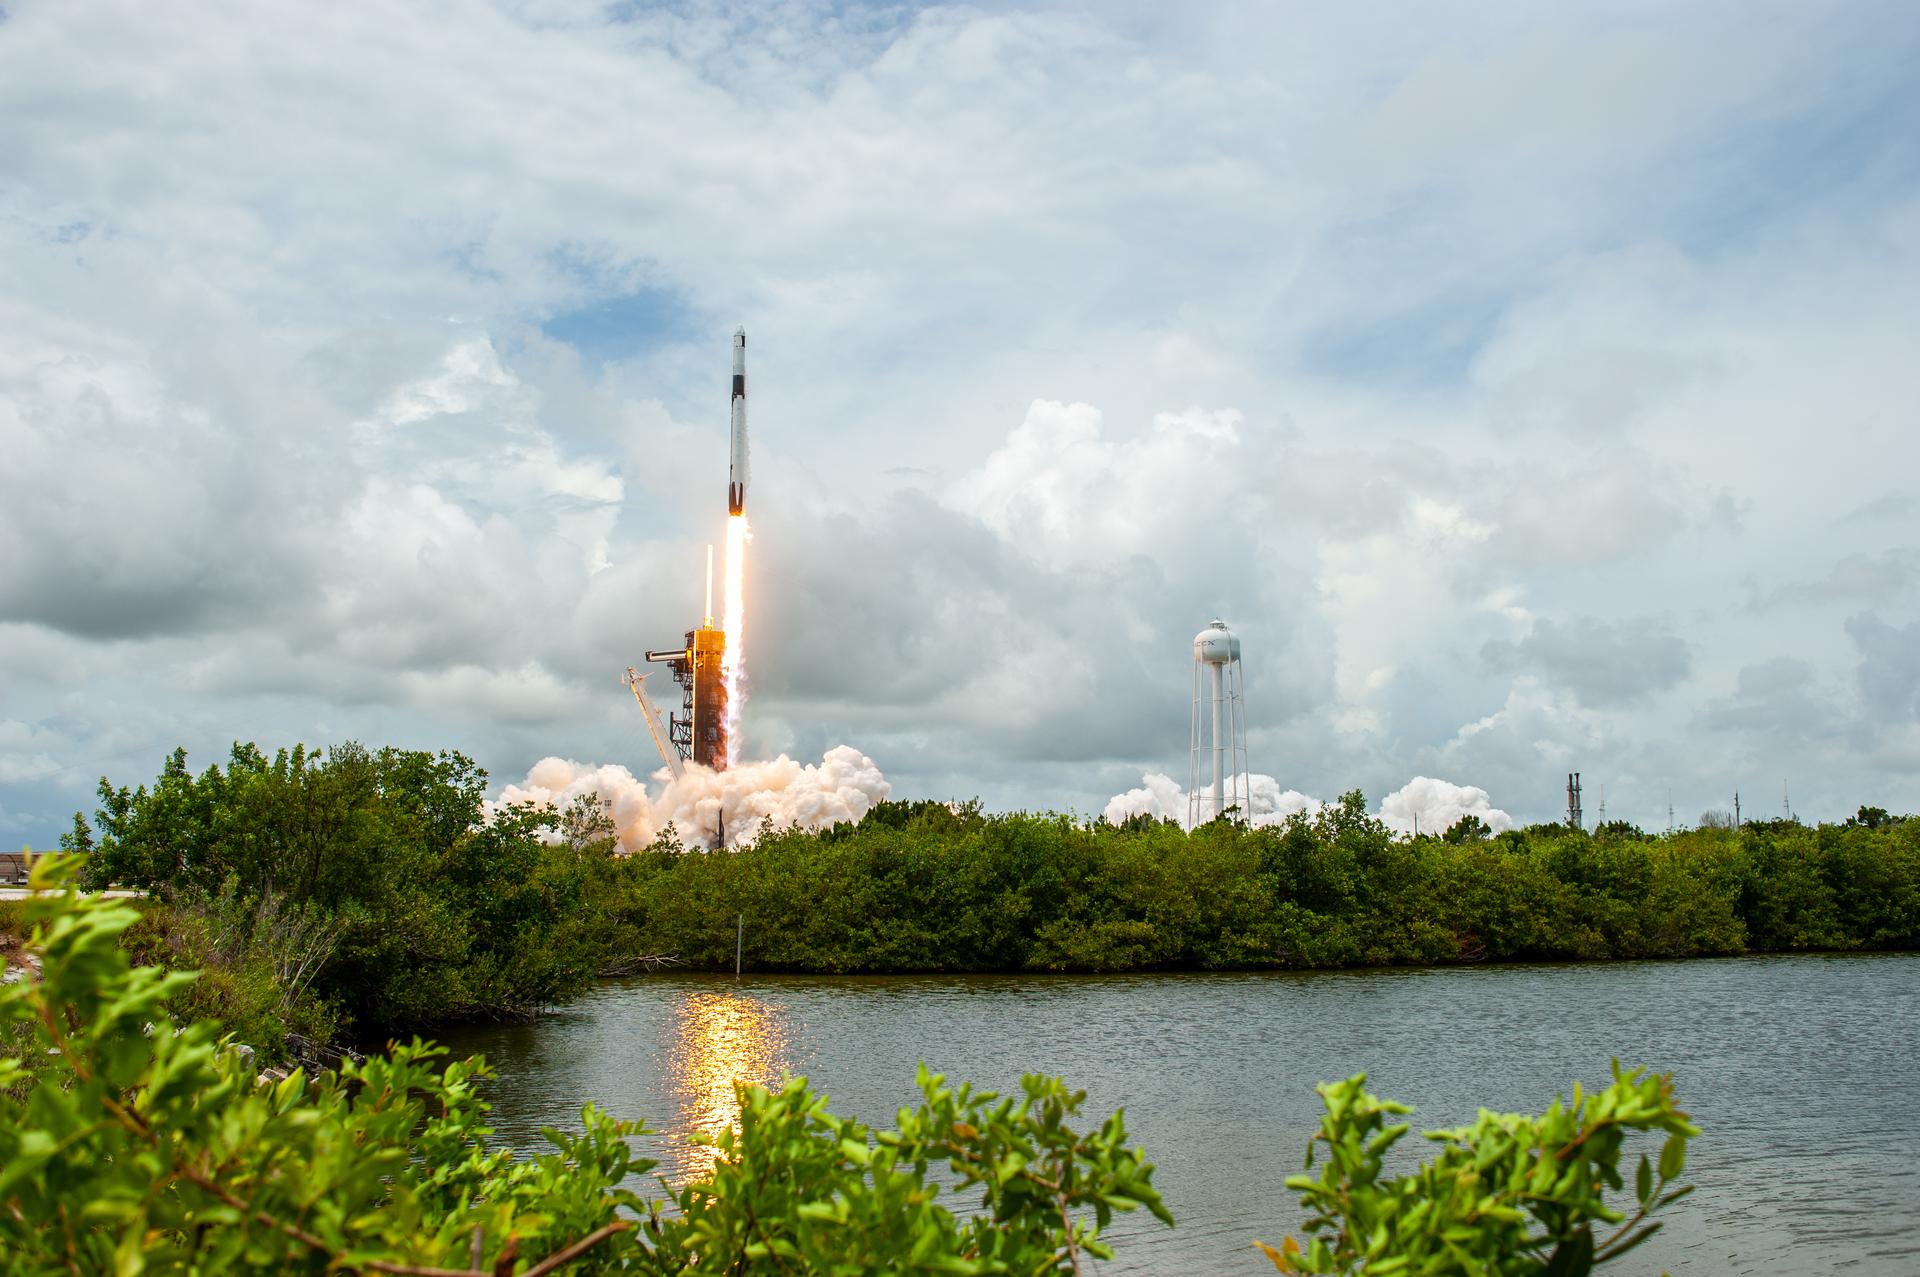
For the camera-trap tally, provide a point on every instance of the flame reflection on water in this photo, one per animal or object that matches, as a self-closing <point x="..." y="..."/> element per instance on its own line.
<point x="720" y="1039"/>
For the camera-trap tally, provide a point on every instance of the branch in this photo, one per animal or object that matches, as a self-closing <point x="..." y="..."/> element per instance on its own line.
<point x="1066" y="1227"/>
<point x="299" y="1234"/>
<point x="579" y="1248"/>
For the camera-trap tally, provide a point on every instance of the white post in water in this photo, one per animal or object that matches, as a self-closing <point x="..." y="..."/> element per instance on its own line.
<point x="1217" y="651"/>
<point x="739" y="943"/>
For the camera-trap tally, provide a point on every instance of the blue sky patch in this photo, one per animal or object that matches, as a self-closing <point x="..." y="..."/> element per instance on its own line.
<point x="620" y="327"/>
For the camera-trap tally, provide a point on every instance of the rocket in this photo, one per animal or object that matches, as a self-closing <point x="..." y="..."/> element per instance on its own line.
<point x="737" y="450"/>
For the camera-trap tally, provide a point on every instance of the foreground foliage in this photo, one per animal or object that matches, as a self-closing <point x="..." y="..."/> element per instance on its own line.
<point x="799" y="1190"/>
<point x="1509" y="1194"/>
<point x="131" y="1144"/>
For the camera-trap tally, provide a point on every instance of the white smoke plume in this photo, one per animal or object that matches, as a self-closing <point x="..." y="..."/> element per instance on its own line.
<point x="778" y="794"/>
<point x="557" y="782"/>
<point x="1423" y="802"/>
<point x="1432" y="806"/>
<point x="1163" y="799"/>
<point x="741" y="801"/>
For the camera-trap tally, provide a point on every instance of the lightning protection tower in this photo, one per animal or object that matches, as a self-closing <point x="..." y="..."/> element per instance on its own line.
<point x="1217" y="768"/>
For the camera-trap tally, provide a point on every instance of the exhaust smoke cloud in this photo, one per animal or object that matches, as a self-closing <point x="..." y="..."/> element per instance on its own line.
<point x="1432" y="806"/>
<point x="1161" y="797"/>
<point x="705" y="806"/>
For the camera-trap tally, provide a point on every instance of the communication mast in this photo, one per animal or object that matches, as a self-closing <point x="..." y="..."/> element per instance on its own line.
<point x="1574" y="820"/>
<point x="1217" y="770"/>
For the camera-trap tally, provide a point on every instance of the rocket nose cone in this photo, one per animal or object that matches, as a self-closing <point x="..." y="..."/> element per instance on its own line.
<point x="740" y="336"/>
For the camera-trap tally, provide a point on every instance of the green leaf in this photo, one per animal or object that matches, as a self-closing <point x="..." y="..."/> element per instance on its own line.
<point x="1673" y="1157"/>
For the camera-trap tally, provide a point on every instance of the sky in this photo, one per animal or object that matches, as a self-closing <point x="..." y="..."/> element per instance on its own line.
<point x="1532" y="388"/>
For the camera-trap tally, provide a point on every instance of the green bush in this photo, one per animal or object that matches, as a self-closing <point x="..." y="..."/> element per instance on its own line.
<point x="429" y="911"/>
<point x="130" y="1145"/>
<point x="1508" y="1195"/>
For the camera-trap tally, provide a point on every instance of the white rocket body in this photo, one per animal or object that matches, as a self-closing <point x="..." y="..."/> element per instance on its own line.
<point x="737" y="450"/>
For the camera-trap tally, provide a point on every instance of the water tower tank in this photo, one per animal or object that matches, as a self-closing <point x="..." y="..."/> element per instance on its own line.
<point x="1216" y="645"/>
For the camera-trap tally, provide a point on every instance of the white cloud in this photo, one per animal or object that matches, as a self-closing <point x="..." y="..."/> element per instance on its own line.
<point x="1387" y="341"/>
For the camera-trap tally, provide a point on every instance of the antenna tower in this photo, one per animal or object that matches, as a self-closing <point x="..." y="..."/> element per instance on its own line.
<point x="1574" y="820"/>
<point x="1217" y="769"/>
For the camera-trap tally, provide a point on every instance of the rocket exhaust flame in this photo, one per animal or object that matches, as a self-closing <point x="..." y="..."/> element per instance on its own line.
<point x="733" y="623"/>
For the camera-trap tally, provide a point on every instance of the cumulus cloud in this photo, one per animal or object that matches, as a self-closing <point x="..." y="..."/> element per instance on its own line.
<point x="1779" y="696"/>
<point x="1889" y="670"/>
<point x="1603" y="662"/>
<point x="1386" y="343"/>
<point x="1857" y="577"/>
<point x="706" y="808"/>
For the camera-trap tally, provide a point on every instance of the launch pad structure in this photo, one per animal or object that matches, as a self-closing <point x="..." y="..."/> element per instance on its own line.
<point x="699" y="731"/>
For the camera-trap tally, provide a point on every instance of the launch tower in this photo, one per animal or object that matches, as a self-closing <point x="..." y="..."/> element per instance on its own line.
<point x="699" y="731"/>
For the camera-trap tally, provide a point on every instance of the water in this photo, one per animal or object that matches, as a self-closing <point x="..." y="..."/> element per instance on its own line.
<point x="1803" y="1073"/>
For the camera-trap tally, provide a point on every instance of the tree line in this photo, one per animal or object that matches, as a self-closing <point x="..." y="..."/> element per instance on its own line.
<point x="358" y="892"/>
<point x="931" y="887"/>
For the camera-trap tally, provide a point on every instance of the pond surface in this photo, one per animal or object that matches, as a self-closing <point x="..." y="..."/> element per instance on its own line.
<point x="1803" y="1072"/>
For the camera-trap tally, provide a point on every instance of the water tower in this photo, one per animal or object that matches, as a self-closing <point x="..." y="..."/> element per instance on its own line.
<point x="1217" y="768"/>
